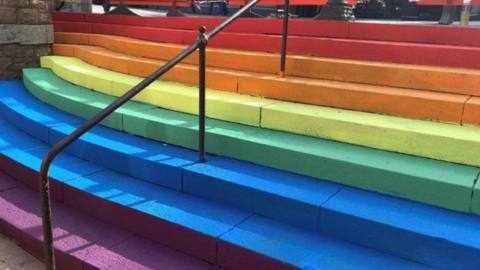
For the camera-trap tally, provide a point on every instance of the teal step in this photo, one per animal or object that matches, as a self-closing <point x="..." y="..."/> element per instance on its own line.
<point x="434" y="182"/>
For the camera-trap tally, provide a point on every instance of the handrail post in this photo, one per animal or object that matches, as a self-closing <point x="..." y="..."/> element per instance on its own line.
<point x="202" y="45"/>
<point x="47" y="220"/>
<point x="283" y="57"/>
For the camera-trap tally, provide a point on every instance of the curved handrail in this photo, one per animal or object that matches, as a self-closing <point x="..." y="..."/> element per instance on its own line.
<point x="44" y="183"/>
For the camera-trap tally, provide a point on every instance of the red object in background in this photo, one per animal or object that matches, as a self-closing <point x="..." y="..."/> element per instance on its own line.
<point x="185" y="3"/>
<point x="173" y="3"/>
<point x="281" y="2"/>
<point x="446" y="2"/>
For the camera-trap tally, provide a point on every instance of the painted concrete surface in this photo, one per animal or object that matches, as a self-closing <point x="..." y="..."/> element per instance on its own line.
<point x="12" y="257"/>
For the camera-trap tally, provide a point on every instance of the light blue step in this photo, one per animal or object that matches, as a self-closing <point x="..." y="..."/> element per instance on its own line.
<point x="118" y="151"/>
<point x="307" y="250"/>
<point x="405" y="228"/>
<point x="283" y="196"/>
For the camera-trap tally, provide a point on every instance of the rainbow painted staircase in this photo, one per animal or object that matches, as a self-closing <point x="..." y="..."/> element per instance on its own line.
<point x="346" y="163"/>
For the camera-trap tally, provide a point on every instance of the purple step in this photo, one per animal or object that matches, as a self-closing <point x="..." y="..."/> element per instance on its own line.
<point x="8" y="183"/>
<point x="82" y="242"/>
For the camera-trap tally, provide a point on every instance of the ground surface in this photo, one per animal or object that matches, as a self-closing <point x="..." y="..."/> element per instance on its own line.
<point x="12" y="257"/>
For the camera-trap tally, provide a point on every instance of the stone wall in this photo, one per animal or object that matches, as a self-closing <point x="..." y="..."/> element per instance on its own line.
<point x="25" y="35"/>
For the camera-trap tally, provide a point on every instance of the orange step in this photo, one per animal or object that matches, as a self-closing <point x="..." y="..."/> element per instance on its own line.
<point x="439" y="79"/>
<point x="471" y="115"/>
<point x="230" y="59"/>
<point x="361" y="97"/>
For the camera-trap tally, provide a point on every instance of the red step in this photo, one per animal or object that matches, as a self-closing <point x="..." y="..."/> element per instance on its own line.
<point x="383" y="51"/>
<point x="414" y="33"/>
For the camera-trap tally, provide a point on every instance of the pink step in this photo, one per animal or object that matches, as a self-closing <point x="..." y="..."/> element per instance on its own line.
<point x="82" y="242"/>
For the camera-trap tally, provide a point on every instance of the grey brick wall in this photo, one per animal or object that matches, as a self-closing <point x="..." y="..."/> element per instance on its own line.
<point x="25" y="35"/>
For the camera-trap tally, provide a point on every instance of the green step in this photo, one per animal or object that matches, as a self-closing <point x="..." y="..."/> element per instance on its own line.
<point x="66" y="97"/>
<point x="434" y="182"/>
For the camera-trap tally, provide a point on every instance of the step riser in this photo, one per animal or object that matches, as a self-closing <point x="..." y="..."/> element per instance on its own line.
<point x="234" y="258"/>
<point x="29" y="177"/>
<point x="32" y="242"/>
<point x="421" y="105"/>
<point x="458" y="81"/>
<point x="169" y="234"/>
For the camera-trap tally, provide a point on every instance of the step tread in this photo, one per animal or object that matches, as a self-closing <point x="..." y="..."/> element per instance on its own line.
<point x="434" y="140"/>
<point x="374" y="169"/>
<point x="81" y="241"/>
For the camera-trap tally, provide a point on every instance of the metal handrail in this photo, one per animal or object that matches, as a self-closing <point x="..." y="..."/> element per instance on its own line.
<point x="283" y="52"/>
<point x="44" y="183"/>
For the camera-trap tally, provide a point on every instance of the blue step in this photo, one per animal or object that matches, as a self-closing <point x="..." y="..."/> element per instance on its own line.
<point x="306" y="250"/>
<point x="145" y="207"/>
<point x="146" y="159"/>
<point x="284" y="196"/>
<point x="77" y="176"/>
<point x="297" y="200"/>
<point x="408" y="229"/>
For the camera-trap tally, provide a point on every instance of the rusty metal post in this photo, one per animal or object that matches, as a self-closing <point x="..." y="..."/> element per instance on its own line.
<point x="283" y="57"/>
